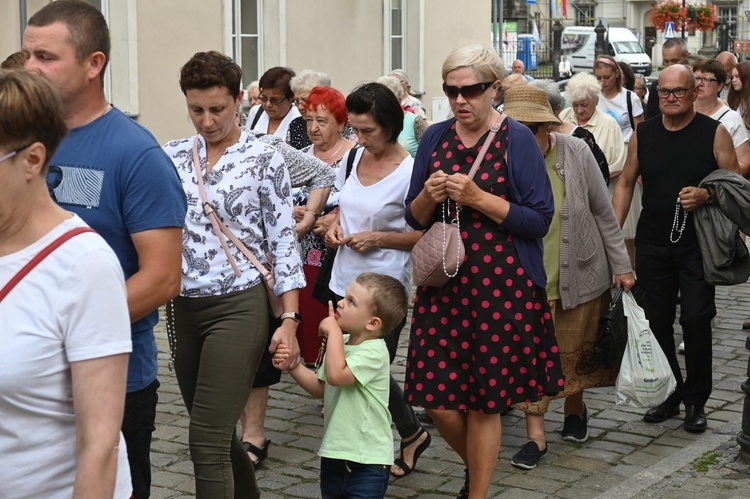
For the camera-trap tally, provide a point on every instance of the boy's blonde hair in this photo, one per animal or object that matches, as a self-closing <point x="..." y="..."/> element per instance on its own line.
<point x="389" y="299"/>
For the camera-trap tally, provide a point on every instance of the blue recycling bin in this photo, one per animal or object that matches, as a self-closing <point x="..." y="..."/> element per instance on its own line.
<point x="527" y="51"/>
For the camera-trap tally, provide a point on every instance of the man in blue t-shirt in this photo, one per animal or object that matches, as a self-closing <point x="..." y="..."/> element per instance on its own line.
<point x="113" y="174"/>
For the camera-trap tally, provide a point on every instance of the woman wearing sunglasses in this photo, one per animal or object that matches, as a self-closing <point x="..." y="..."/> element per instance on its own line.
<point x="583" y="250"/>
<point x="277" y="115"/>
<point x="485" y="340"/>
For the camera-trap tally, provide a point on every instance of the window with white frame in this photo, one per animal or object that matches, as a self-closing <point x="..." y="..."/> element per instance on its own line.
<point x="398" y="44"/>
<point x="584" y="13"/>
<point x="728" y="15"/>
<point x="246" y="30"/>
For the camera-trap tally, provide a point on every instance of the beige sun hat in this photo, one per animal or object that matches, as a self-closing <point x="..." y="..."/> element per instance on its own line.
<point x="528" y="104"/>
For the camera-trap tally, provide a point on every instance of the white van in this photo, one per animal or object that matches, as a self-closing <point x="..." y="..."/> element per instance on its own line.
<point x="579" y="45"/>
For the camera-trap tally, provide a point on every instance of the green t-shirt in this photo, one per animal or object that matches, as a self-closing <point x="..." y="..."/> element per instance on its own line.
<point x="357" y="424"/>
<point x="552" y="239"/>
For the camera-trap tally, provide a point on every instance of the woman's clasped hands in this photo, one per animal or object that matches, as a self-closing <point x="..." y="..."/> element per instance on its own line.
<point x="459" y="187"/>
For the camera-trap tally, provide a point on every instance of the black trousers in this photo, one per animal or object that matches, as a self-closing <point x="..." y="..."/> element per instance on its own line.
<point x="137" y="427"/>
<point x="663" y="270"/>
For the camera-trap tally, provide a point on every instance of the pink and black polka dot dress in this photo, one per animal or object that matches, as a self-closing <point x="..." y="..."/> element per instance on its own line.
<point x="485" y="340"/>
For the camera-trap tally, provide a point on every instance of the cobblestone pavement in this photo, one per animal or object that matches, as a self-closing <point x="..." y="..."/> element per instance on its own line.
<point x="624" y="457"/>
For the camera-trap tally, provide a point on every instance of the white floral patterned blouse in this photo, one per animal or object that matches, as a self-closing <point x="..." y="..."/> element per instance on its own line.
<point x="249" y="188"/>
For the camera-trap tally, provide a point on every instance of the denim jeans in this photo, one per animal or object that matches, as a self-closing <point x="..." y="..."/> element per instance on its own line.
<point x="346" y="479"/>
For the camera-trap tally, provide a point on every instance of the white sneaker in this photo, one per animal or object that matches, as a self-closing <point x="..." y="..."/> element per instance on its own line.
<point x="681" y="347"/>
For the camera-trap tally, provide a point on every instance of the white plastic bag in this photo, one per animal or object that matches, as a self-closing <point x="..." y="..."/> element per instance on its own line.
<point x="645" y="378"/>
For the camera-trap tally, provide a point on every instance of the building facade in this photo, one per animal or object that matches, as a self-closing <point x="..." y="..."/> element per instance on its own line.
<point x="352" y="40"/>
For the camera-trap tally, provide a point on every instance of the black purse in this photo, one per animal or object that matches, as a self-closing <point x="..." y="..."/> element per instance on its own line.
<point x="613" y="328"/>
<point x="320" y="290"/>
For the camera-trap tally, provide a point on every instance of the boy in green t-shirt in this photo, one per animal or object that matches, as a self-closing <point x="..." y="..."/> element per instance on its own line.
<point x="357" y="448"/>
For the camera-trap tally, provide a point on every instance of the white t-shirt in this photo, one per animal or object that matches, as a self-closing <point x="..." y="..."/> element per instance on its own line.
<point x="72" y="307"/>
<point x="732" y="121"/>
<point x="617" y="107"/>
<point x="378" y="207"/>
<point x="264" y="121"/>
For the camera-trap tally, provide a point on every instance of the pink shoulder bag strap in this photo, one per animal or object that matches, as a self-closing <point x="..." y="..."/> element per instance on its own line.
<point x="39" y="257"/>
<point x="220" y="227"/>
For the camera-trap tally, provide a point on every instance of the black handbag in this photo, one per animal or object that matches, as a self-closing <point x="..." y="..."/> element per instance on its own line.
<point x="613" y="328"/>
<point x="320" y="290"/>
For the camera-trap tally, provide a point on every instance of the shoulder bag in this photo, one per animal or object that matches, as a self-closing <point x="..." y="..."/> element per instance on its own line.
<point x="274" y="301"/>
<point x="439" y="253"/>
<point x="321" y="291"/>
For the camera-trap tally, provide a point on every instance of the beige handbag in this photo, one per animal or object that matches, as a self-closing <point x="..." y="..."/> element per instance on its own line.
<point x="439" y="253"/>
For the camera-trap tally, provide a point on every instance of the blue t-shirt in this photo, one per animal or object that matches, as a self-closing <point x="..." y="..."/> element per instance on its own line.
<point x="115" y="176"/>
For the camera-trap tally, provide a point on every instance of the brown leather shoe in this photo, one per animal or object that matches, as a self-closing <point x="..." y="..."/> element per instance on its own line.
<point x="746" y="324"/>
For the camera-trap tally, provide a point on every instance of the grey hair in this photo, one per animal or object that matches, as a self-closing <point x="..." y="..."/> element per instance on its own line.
<point x="393" y="85"/>
<point x="582" y="86"/>
<point x="553" y="93"/>
<point x="483" y="60"/>
<point x="309" y="79"/>
<point x="253" y="84"/>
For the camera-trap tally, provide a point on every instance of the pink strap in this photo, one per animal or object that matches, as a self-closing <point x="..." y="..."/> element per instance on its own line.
<point x="220" y="227"/>
<point x="493" y="131"/>
<point x="39" y="257"/>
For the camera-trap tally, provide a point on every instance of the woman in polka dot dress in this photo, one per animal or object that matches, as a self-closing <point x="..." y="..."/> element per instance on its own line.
<point x="485" y="340"/>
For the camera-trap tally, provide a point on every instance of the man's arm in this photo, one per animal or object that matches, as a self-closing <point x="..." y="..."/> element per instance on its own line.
<point x="159" y="270"/>
<point x="625" y="186"/>
<point x="743" y="157"/>
<point x="726" y="156"/>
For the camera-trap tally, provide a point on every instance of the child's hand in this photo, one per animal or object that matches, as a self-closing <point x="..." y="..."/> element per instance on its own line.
<point x="281" y="355"/>
<point x="329" y="323"/>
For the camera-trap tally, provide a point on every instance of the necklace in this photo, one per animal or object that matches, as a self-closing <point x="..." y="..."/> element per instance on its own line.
<point x="341" y="144"/>
<point x="676" y="222"/>
<point x="221" y="151"/>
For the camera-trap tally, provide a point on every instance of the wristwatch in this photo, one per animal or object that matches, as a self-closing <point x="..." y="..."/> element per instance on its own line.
<point x="291" y="315"/>
<point x="710" y="197"/>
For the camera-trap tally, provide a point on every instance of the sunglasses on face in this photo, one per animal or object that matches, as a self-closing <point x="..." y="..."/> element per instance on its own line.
<point x="275" y="102"/>
<point x="469" y="91"/>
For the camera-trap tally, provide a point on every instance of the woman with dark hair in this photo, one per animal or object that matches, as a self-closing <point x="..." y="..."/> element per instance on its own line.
<point x="219" y="323"/>
<point x="277" y="114"/>
<point x="370" y="231"/>
<point x="628" y="75"/>
<point x="739" y="93"/>
<point x="485" y="340"/>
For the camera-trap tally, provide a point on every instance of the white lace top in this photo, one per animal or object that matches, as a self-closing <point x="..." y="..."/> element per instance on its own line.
<point x="249" y="188"/>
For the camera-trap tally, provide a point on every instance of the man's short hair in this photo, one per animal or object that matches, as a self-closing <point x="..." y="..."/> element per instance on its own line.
<point x="389" y="298"/>
<point x="676" y="42"/>
<point x="86" y="25"/>
<point x="30" y="111"/>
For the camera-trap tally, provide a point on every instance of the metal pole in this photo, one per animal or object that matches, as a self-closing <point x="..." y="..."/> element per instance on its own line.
<point x="683" y="22"/>
<point x="557" y="30"/>
<point x="22" y="8"/>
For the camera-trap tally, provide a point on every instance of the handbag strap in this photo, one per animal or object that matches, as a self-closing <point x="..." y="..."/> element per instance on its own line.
<point x="493" y="131"/>
<point x="220" y="227"/>
<point x="39" y="257"/>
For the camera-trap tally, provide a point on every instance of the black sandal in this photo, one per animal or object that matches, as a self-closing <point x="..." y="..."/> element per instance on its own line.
<point x="260" y="453"/>
<point x="417" y="452"/>
<point x="464" y="492"/>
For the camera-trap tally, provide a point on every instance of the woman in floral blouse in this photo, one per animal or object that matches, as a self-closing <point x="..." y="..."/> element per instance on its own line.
<point x="220" y="320"/>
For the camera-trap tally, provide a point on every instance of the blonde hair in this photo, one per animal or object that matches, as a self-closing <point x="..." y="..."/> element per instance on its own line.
<point x="389" y="298"/>
<point x="582" y="86"/>
<point x="30" y="111"/>
<point x="393" y="84"/>
<point x="483" y="60"/>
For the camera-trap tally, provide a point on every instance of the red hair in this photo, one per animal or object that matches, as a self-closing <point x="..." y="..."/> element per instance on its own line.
<point x="331" y="99"/>
<point x="735" y="98"/>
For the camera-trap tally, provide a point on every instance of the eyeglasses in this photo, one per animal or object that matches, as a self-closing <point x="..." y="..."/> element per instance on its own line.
<point x="678" y="93"/>
<point x="299" y="102"/>
<point x="469" y="91"/>
<point x="700" y="80"/>
<point x="13" y="153"/>
<point x="263" y="99"/>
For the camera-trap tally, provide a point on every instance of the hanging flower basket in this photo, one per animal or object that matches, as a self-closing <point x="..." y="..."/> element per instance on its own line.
<point x="701" y="17"/>
<point x="668" y="11"/>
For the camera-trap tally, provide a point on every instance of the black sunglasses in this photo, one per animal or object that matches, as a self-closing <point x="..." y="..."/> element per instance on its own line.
<point x="469" y="91"/>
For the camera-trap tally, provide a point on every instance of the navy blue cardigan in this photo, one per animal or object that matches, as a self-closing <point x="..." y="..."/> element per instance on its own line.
<point x="532" y="208"/>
